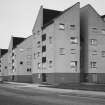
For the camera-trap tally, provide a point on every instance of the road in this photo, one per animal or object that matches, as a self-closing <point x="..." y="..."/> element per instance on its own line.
<point x="20" y="95"/>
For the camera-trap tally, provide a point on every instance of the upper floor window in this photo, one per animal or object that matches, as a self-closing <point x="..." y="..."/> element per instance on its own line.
<point x="50" y="39"/>
<point x="93" y="64"/>
<point x="21" y="49"/>
<point x="50" y="63"/>
<point x="74" y="40"/>
<point x="28" y="69"/>
<point x="5" y="67"/>
<point x="94" y="52"/>
<point x="21" y="62"/>
<point x="38" y="43"/>
<point x="12" y="60"/>
<point x="43" y="48"/>
<point x="13" y="67"/>
<point x="93" y="42"/>
<point x="43" y="37"/>
<point x="61" y="51"/>
<point x="43" y="59"/>
<point x="38" y="54"/>
<point x="103" y="31"/>
<point x="61" y="26"/>
<point x="12" y="54"/>
<point x="34" y="56"/>
<point x="72" y="27"/>
<point x="103" y="53"/>
<point x="73" y="64"/>
<point x="94" y="29"/>
<point x="73" y="51"/>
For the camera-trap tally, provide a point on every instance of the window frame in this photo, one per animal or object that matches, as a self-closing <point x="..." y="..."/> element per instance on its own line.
<point x="74" y="40"/>
<point x="93" y="64"/>
<point x="43" y="37"/>
<point x="61" y="26"/>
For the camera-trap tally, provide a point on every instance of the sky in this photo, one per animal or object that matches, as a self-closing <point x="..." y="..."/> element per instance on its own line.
<point x="17" y="17"/>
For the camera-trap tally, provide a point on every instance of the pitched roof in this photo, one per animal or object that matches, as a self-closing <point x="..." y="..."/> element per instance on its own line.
<point x="3" y="51"/>
<point x="17" y="40"/>
<point x="103" y="17"/>
<point x="53" y="14"/>
<point x="49" y="14"/>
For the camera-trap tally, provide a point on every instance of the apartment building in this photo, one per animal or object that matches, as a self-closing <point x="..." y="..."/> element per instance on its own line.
<point x="92" y="46"/>
<point x="4" y="67"/>
<point x="3" y="64"/>
<point x="56" y="46"/>
<point x="23" y="61"/>
<point x="11" y="56"/>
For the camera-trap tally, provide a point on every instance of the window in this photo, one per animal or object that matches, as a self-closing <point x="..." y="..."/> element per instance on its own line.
<point x="38" y="54"/>
<point x="12" y="54"/>
<point x="43" y="37"/>
<point x="103" y="31"/>
<point x="61" y="26"/>
<point x="38" y="32"/>
<point x="61" y="51"/>
<point x="38" y="43"/>
<point x="73" y="51"/>
<point x="28" y="69"/>
<point x="94" y="29"/>
<point x="12" y="60"/>
<point x="94" y="52"/>
<point x="103" y="53"/>
<point x="74" y="40"/>
<point x="34" y="56"/>
<point x="0" y="70"/>
<point x="72" y="27"/>
<point x="73" y="64"/>
<point x="93" y="64"/>
<point x="21" y="49"/>
<point x="43" y="59"/>
<point x="5" y="67"/>
<point x="39" y="65"/>
<point x="43" y="48"/>
<point x="21" y="62"/>
<point x="12" y="67"/>
<point x="50" y="63"/>
<point x="50" y="39"/>
<point x="93" y="42"/>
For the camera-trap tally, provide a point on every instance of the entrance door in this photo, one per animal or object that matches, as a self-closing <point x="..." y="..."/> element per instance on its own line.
<point x="43" y="77"/>
<point x="13" y="77"/>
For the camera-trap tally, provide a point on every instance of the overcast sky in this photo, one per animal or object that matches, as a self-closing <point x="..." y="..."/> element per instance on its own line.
<point x="17" y="17"/>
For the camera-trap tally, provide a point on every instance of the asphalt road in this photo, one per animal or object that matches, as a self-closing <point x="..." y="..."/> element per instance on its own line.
<point x="18" y="95"/>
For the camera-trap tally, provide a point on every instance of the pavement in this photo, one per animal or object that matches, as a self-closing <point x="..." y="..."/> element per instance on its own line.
<point x="66" y="92"/>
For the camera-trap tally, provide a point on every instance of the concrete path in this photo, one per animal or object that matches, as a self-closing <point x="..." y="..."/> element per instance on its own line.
<point x="63" y="91"/>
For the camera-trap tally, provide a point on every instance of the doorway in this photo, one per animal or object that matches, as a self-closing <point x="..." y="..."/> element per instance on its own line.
<point x="13" y="77"/>
<point x="44" y="77"/>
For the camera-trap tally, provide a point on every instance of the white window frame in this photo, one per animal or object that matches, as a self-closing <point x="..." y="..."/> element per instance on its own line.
<point x="62" y="26"/>
<point x="74" y="40"/>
